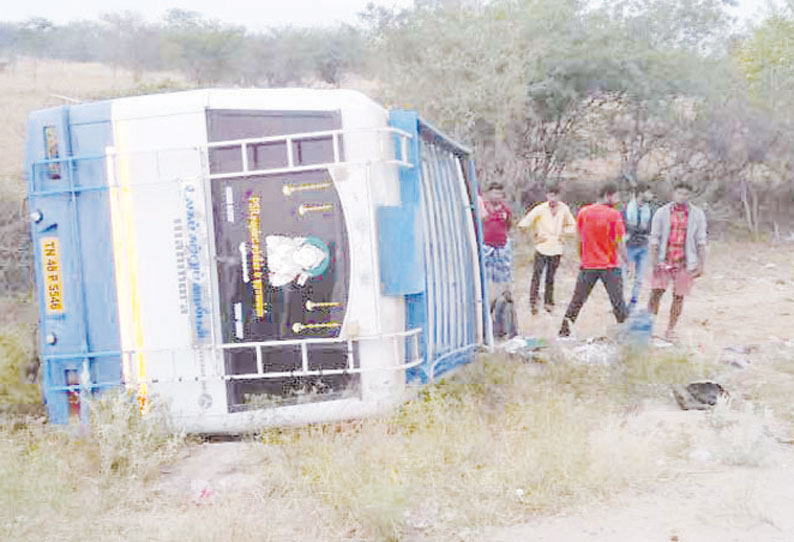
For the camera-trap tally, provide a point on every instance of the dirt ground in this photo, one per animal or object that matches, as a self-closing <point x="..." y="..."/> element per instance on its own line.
<point x="745" y="298"/>
<point x="704" y="504"/>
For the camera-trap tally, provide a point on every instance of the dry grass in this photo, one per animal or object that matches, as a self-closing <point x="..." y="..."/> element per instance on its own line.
<point x="128" y="444"/>
<point x="498" y="442"/>
<point x="101" y="483"/>
<point x="770" y="384"/>
<point x="741" y="435"/>
<point x="652" y="373"/>
<point x="503" y="441"/>
<point x="16" y="356"/>
<point x="52" y="488"/>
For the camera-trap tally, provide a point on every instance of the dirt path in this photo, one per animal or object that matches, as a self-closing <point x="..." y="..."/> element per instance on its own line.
<point x="704" y="504"/>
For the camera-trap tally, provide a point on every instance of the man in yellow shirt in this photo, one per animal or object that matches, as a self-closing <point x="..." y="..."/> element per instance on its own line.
<point x="548" y="223"/>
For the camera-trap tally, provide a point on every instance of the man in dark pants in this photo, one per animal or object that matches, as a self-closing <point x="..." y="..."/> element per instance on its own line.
<point x="549" y="223"/>
<point x="601" y="232"/>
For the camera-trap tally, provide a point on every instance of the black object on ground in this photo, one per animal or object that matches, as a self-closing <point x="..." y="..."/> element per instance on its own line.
<point x="698" y="395"/>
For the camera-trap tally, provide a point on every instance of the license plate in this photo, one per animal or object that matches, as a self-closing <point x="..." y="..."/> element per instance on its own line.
<point x="51" y="270"/>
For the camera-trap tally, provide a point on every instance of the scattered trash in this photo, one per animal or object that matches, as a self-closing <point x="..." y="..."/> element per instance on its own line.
<point x="698" y="395"/>
<point x="593" y="350"/>
<point x="201" y="493"/>
<point x="659" y="342"/>
<point x="519" y="345"/>
<point x="596" y="352"/>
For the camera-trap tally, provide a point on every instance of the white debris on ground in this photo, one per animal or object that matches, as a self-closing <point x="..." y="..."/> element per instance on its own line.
<point x="597" y="354"/>
<point x="522" y="345"/>
<point x="593" y="351"/>
<point x="658" y="342"/>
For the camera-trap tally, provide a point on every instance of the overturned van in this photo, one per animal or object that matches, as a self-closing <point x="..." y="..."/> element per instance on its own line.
<point x="252" y="257"/>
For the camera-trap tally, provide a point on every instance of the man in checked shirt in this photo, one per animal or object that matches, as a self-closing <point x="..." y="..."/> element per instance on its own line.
<point x="678" y="252"/>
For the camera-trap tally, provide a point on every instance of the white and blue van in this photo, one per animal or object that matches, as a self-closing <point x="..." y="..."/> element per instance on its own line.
<point x="252" y="257"/>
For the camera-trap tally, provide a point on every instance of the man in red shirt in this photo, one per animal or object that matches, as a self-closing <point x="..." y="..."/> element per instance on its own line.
<point x="497" y="249"/>
<point x="601" y="232"/>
